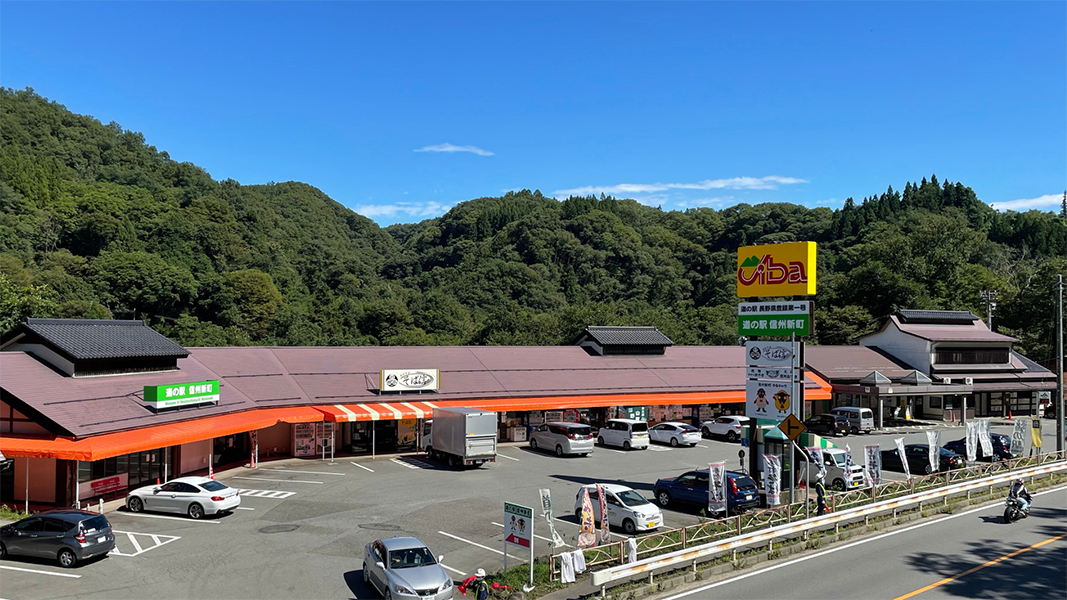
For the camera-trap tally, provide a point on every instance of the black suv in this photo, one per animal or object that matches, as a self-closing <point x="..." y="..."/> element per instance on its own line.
<point x="827" y="425"/>
<point x="69" y="536"/>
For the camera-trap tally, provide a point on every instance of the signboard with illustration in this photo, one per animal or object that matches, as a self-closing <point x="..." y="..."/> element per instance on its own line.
<point x="776" y="270"/>
<point x="771" y="354"/>
<point x="181" y="394"/>
<point x="768" y="399"/>
<point x="409" y="380"/>
<point x="518" y="525"/>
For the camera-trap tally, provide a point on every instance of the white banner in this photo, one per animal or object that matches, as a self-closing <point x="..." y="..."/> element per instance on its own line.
<point x="717" y="487"/>
<point x="770" y="354"/>
<point x="984" y="438"/>
<point x="768" y="399"/>
<point x="815" y="455"/>
<point x="773" y="472"/>
<point x="903" y="457"/>
<point x="546" y="512"/>
<point x="933" y="441"/>
<point x="872" y="467"/>
<point x="1018" y="437"/>
<point x="972" y="441"/>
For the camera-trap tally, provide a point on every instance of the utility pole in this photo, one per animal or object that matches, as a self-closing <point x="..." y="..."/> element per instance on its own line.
<point x="1059" y="362"/>
<point x="990" y="297"/>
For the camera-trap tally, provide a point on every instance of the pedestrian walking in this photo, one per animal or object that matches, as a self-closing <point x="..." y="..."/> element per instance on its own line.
<point x="820" y="491"/>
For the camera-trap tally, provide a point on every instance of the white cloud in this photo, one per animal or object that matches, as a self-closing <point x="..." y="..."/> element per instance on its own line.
<point x="713" y="201"/>
<point x="411" y="209"/>
<point x="453" y="148"/>
<point x="770" y="182"/>
<point x="1048" y="201"/>
<point x="653" y="200"/>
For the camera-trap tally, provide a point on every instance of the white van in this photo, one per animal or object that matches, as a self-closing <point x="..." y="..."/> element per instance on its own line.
<point x="625" y="433"/>
<point x="626" y="508"/>
<point x="859" y="419"/>
<point x="840" y="475"/>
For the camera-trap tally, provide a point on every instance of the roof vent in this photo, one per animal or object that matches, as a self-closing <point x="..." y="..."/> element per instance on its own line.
<point x="875" y="378"/>
<point x="915" y="378"/>
<point x="604" y="340"/>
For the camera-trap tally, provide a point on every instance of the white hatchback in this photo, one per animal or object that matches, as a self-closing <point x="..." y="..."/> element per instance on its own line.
<point x="624" y="433"/>
<point x="675" y="434"/>
<point x="626" y="508"/>
<point x="193" y="496"/>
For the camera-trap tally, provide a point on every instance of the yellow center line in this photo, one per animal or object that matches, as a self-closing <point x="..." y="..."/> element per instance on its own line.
<point x="979" y="567"/>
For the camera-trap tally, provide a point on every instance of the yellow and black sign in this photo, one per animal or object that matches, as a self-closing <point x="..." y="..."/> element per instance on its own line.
<point x="792" y="427"/>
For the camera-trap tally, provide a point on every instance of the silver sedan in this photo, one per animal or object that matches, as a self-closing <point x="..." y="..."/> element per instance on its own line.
<point x="403" y="567"/>
<point x="193" y="496"/>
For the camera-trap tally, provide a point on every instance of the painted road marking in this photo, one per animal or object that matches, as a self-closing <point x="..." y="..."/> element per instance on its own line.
<point x="507" y="457"/>
<point x="501" y="525"/>
<point x="461" y="573"/>
<point x="456" y="537"/>
<point x="362" y="467"/>
<point x="183" y="519"/>
<point x="304" y="472"/>
<point x="845" y="547"/>
<point x="402" y="464"/>
<point x="243" y="508"/>
<point x="702" y="446"/>
<point x="655" y="449"/>
<point x="276" y="494"/>
<point x="157" y="541"/>
<point x="41" y="572"/>
<point x="988" y="563"/>
<point x="281" y="480"/>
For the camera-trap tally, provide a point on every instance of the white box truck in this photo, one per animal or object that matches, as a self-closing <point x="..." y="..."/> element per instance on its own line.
<point x="461" y="436"/>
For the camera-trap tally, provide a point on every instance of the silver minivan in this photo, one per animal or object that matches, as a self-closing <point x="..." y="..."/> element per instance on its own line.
<point x="624" y="433"/>
<point x="563" y="438"/>
<point x="859" y="419"/>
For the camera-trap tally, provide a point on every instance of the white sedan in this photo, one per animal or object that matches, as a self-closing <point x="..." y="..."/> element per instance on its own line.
<point x="193" y="496"/>
<point x="675" y="434"/>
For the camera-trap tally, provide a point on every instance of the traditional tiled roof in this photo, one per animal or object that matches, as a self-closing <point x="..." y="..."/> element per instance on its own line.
<point x="627" y="336"/>
<point x="85" y="339"/>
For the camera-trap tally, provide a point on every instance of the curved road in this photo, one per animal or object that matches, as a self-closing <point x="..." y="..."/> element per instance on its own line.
<point x="967" y="555"/>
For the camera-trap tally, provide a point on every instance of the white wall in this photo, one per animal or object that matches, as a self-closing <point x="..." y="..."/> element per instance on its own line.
<point x="195" y="456"/>
<point x="44" y="354"/>
<point x="908" y="348"/>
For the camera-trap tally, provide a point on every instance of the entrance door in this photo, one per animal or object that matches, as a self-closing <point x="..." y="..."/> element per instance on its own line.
<point x="231" y="449"/>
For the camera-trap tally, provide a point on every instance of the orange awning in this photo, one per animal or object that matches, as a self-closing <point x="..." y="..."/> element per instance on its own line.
<point x="159" y="436"/>
<point x="370" y="411"/>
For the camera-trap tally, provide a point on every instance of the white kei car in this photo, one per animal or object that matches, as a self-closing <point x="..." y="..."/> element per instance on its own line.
<point x="193" y="496"/>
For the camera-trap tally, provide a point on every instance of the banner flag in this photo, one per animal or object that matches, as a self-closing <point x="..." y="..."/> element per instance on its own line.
<point x="546" y="512"/>
<point x="815" y="455"/>
<point x="984" y="438"/>
<point x="717" y="487"/>
<point x="903" y="457"/>
<point x="587" y="534"/>
<point x="872" y="467"/>
<point x="773" y="466"/>
<point x="605" y="522"/>
<point x="933" y="442"/>
<point x="1035" y="434"/>
<point x="1018" y="436"/>
<point x="972" y="441"/>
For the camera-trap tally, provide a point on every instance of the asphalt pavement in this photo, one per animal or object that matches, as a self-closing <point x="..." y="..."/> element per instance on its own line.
<point x="966" y="555"/>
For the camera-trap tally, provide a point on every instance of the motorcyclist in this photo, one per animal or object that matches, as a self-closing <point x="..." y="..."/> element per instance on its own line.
<point x="1018" y="491"/>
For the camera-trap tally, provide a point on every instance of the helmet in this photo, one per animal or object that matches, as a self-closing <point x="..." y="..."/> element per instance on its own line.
<point x="479" y="573"/>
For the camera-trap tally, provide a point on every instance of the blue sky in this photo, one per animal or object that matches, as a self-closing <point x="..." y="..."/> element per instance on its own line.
<point x="402" y="110"/>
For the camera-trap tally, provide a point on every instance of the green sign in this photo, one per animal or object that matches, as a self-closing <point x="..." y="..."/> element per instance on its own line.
<point x="179" y="394"/>
<point x="771" y="324"/>
<point x="639" y="413"/>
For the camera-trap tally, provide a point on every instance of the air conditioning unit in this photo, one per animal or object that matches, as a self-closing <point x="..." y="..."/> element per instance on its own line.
<point x="968" y="381"/>
<point x="946" y="380"/>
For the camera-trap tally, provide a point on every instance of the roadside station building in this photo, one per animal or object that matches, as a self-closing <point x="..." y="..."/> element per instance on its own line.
<point x="76" y="425"/>
<point x="933" y="365"/>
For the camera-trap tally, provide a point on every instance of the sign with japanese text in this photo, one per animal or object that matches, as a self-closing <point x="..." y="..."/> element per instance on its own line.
<point x="784" y="374"/>
<point x="99" y="487"/>
<point x="774" y="318"/>
<point x="180" y="394"/>
<point x="717" y="487"/>
<point x="773" y="465"/>
<point x="546" y="512"/>
<point x="903" y="457"/>
<point x="771" y="354"/>
<point x="776" y="270"/>
<point x="605" y="531"/>
<point x="518" y="524"/>
<point x="409" y="380"/>
<point x="872" y="466"/>
<point x="768" y="399"/>
<point x="1018" y="437"/>
<point x="587" y="531"/>
<point x="933" y="448"/>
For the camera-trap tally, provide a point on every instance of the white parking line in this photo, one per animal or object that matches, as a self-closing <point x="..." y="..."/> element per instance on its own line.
<point x="183" y="519"/>
<point x="362" y="467"/>
<point x="507" y="457"/>
<point x="702" y="446"/>
<point x="655" y="449"/>
<point x="402" y="464"/>
<point x="304" y="472"/>
<point x="275" y="494"/>
<point x="456" y="537"/>
<point x="42" y="572"/>
<point x="461" y="573"/>
<point x="138" y="549"/>
<point x="244" y="508"/>
<point x="501" y="525"/>
<point x="281" y="480"/>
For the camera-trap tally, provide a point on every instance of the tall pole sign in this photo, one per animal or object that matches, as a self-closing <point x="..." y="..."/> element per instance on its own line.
<point x="775" y="386"/>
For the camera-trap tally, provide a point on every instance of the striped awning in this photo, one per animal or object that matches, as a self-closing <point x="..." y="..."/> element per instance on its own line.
<point x="385" y="411"/>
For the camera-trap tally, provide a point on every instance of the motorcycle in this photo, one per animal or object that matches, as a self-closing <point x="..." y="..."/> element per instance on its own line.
<point x="1013" y="510"/>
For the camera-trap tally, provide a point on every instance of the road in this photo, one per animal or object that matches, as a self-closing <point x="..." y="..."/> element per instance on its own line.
<point x="967" y="555"/>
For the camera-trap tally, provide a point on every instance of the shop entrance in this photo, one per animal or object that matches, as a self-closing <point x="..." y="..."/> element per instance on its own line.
<point x="231" y="449"/>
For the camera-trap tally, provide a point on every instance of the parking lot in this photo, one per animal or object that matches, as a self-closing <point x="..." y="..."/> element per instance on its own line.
<point x="303" y="524"/>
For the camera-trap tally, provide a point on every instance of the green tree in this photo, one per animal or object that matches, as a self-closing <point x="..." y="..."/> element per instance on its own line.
<point x="257" y="300"/>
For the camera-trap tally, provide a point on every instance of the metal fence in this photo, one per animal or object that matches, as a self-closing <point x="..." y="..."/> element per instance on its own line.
<point x="712" y="530"/>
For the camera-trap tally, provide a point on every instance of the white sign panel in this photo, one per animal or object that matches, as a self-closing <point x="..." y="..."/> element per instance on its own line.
<point x="768" y="399"/>
<point x="518" y="524"/>
<point x="801" y="307"/>
<point x="784" y="374"/>
<point x="770" y="354"/>
<point x="409" y="380"/>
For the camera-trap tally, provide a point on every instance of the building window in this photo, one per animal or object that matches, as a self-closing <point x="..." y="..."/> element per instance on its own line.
<point x="971" y="356"/>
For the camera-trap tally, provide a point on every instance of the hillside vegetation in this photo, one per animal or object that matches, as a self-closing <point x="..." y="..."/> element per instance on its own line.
<point x="97" y="223"/>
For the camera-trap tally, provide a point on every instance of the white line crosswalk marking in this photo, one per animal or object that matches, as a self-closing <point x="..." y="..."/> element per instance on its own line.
<point x="157" y="541"/>
<point x="276" y="494"/>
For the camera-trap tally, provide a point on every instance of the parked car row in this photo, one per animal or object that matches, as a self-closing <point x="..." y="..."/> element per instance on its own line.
<point x="918" y="456"/>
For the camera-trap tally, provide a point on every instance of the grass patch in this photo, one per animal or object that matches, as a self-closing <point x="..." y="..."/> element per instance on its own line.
<point x="519" y="575"/>
<point x="10" y="513"/>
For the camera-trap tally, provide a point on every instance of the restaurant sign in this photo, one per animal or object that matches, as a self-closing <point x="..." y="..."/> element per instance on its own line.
<point x="774" y="318"/>
<point x="181" y="394"/>
<point x="776" y="270"/>
<point x="410" y="380"/>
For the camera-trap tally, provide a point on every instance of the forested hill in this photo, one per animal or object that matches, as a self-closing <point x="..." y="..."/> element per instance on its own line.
<point x="96" y="223"/>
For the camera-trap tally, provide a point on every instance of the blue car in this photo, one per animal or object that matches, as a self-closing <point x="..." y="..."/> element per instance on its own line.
<point x="691" y="487"/>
